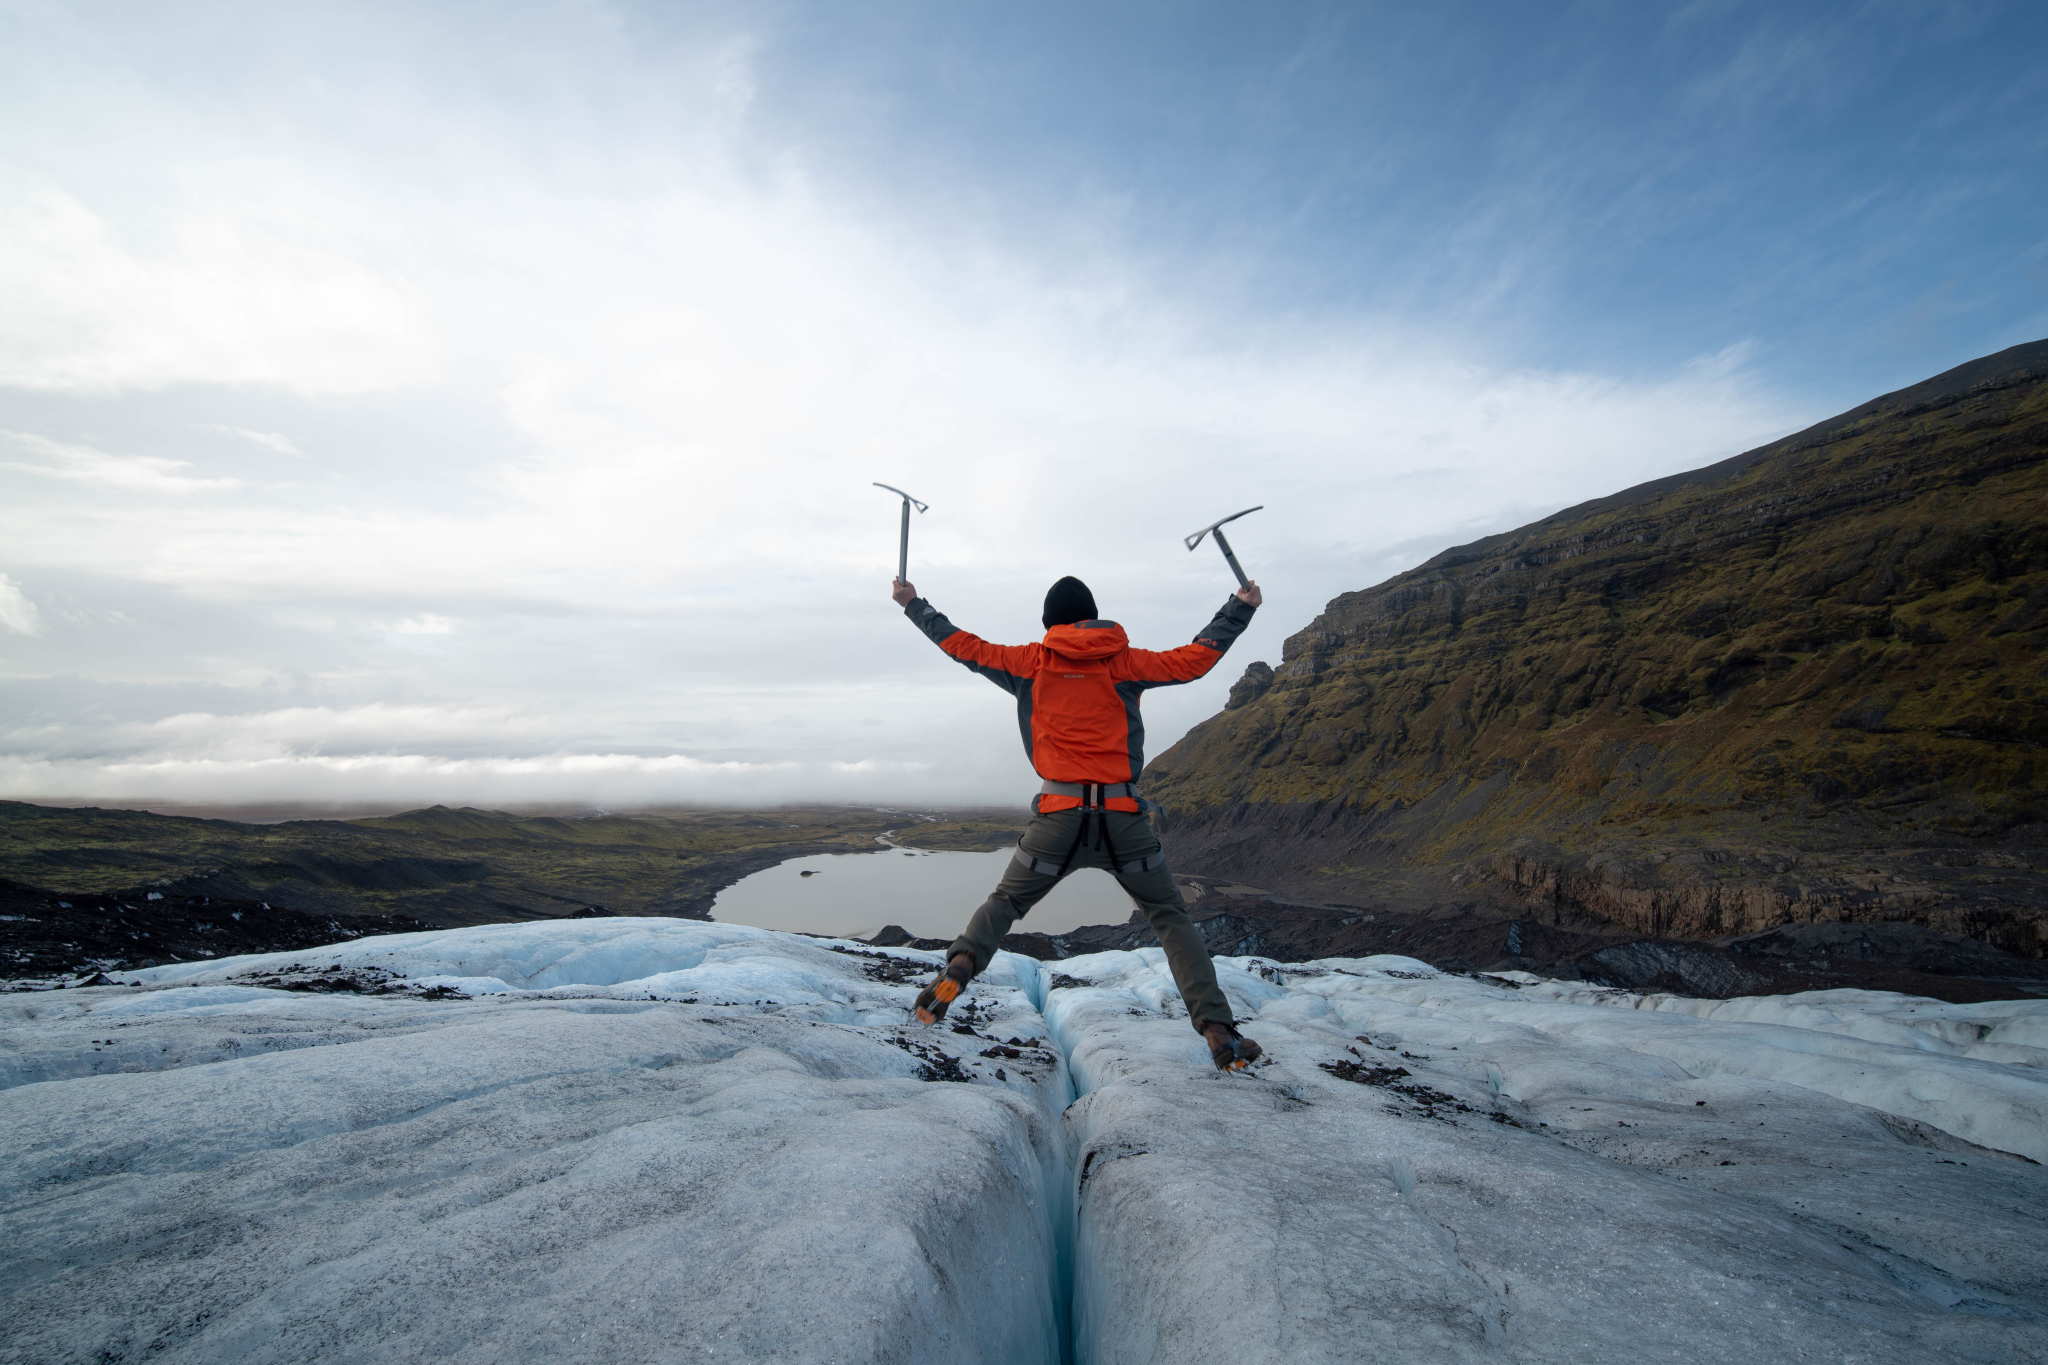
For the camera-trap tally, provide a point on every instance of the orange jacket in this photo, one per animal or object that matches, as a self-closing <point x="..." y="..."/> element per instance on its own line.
<point x="1077" y="691"/>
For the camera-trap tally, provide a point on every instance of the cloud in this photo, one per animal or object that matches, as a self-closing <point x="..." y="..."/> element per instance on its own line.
<point x="423" y="624"/>
<point x="147" y="474"/>
<point x="1775" y="64"/>
<point x="17" y="613"/>
<point x="403" y="780"/>
<point x="244" y="282"/>
<point x="593" y="421"/>
<point x="269" y="440"/>
<point x="278" y="733"/>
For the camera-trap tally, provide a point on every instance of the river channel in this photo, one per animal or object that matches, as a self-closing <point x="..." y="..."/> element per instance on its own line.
<point x="931" y="894"/>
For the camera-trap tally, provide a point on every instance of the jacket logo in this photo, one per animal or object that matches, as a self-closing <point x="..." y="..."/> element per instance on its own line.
<point x="1073" y="675"/>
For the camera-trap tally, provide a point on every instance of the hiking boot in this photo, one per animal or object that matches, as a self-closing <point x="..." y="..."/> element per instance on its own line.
<point x="934" y="999"/>
<point x="1229" y="1049"/>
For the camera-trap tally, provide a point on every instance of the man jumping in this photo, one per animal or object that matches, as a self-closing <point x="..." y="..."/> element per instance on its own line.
<point x="1077" y="703"/>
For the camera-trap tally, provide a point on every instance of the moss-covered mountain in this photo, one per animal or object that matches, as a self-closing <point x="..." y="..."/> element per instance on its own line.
<point x="1805" y="683"/>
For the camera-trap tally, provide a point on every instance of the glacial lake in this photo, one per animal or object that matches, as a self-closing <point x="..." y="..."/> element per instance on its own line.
<point x="931" y="894"/>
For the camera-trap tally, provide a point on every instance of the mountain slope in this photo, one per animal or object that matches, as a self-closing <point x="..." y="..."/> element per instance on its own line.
<point x="1803" y="683"/>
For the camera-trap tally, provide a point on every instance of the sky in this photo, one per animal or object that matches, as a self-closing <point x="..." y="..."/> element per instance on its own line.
<point x="480" y="403"/>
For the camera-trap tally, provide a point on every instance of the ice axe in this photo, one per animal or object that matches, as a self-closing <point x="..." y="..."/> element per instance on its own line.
<point x="1215" y="528"/>
<point x="903" y="550"/>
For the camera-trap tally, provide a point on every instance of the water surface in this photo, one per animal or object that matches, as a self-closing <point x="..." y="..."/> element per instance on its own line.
<point x="929" y="893"/>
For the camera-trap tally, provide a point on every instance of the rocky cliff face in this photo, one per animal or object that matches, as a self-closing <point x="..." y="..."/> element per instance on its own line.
<point x="1802" y="684"/>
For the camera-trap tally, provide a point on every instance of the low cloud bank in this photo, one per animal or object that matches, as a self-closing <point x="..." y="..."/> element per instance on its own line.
<point x="411" y="780"/>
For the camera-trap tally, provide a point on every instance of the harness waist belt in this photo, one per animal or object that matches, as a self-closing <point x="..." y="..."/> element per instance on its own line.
<point x="1046" y="869"/>
<point x="1109" y="790"/>
<point x="1103" y="792"/>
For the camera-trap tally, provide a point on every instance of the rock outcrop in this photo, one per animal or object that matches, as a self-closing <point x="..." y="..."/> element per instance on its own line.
<point x="1803" y="684"/>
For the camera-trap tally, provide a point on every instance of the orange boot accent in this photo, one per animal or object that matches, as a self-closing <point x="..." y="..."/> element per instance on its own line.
<point x="933" y="999"/>
<point x="946" y="992"/>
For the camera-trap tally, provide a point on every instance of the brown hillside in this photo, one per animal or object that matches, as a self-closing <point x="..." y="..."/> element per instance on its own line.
<point x="1801" y="684"/>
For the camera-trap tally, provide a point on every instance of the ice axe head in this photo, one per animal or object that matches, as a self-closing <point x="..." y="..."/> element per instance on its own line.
<point x="1215" y="528"/>
<point x="903" y="545"/>
<point x="913" y="502"/>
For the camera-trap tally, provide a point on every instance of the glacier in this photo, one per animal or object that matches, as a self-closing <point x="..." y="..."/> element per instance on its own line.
<point x="669" y="1140"/>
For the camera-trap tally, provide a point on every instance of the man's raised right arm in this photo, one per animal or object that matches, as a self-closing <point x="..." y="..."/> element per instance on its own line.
<point x="1007" y="666"/>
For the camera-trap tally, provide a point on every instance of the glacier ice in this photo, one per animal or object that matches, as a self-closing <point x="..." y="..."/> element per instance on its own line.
<point x="646" y="1139"/>
<point x="575" y="1173"/>
<point x="1438" y="1167"/>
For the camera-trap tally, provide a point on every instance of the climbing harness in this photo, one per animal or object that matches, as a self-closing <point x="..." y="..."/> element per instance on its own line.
<point x="1095" y="797"/>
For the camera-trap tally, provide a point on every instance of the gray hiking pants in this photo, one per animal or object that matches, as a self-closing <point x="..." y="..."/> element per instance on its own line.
<point x="1046" y="842"/>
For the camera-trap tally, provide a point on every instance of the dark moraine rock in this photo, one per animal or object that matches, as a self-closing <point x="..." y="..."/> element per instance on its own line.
<point x="47" y="935"/>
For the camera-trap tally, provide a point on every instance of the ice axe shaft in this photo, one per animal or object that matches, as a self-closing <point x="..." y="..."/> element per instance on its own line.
<point x="1216" y="529"/>
<point x="903" y="546"/>
<point x="1235" y="567"/>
